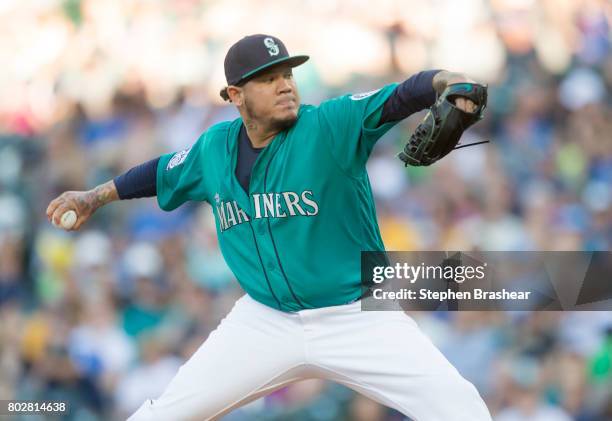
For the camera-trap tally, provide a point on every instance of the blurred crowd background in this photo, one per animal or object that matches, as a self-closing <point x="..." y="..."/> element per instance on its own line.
<point x="104" y="317"/>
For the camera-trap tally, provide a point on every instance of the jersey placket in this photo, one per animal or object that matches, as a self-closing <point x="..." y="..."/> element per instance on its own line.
<point x="260" y="176"/>
<point x="271" y="267"/>
<point x="271" y="157"/>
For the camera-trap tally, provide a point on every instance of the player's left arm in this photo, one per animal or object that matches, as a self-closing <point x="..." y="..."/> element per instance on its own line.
<point x="420" y="91"/>
<point x="356" y="122"/>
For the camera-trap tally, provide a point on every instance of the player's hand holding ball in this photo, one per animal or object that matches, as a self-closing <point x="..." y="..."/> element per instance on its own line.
<point x="72" y="209"/>
<point x="69" y="210"/>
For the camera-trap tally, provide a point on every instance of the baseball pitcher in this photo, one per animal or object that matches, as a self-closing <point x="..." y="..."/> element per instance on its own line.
<point x="293" y="207"/>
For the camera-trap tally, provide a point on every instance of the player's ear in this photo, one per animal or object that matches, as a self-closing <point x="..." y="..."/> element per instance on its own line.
<point x="235" y="95"/>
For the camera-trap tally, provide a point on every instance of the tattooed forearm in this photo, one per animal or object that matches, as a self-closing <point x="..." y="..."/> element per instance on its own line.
<point x="105" y="193"/>
<point x="444" y="78"/>
<point x="85" y="203"/>
<point x="98" y="197"/>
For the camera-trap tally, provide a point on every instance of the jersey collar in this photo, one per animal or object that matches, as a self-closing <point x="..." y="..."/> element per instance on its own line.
<point x="259" y="168"/>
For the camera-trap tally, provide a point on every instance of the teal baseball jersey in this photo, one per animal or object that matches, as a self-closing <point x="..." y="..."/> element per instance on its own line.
<point x="294" y="240"/>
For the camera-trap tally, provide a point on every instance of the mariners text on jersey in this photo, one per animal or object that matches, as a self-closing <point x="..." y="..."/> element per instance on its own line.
<point x="267" y="205"/>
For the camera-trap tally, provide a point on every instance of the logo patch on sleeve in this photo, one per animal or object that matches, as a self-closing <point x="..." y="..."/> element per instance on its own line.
<point x="177" y="159"/>
<point x="363" y="95"/>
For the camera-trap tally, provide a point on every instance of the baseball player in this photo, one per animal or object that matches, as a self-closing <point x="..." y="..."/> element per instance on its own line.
<point x="293" y="207"/>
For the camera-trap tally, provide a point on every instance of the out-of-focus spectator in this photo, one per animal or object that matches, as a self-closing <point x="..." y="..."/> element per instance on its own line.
<point x="524" y="390"/>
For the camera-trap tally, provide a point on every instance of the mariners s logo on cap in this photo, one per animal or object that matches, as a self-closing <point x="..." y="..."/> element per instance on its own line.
<point x="273" y="49"/>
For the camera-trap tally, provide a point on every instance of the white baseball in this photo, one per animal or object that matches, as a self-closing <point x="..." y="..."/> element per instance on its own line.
<point x="68" y="219"/>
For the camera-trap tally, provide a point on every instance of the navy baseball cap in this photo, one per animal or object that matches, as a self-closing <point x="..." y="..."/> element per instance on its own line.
<point x="254" y="54"/>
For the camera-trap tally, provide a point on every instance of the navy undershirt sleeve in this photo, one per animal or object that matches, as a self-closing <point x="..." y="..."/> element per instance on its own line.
<point x="140" y="181"/>
<point x="247" y="155"/>
<point x="413" y="95"/>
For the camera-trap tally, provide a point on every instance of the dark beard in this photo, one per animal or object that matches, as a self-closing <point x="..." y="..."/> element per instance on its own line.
<point x="275" y="124"/>
<point x="282" y="125"/>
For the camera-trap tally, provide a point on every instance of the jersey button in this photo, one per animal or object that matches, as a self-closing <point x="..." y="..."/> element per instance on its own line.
<point x="271" y="266"/>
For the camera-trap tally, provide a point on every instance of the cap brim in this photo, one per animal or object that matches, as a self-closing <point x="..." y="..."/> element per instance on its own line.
<point x="293" y="61"/>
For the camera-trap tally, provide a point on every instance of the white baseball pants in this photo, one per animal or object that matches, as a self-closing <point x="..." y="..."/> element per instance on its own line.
<point x="256" y="350"/>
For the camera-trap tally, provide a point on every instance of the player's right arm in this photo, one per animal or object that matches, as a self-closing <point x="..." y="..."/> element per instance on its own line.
<point x="139" y="181"/>
<point x="84" y="203"/>
<point x="174" y="178"/>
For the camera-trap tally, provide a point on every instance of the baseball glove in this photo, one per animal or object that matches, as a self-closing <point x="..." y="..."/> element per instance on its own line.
<point x="443" y="125"/>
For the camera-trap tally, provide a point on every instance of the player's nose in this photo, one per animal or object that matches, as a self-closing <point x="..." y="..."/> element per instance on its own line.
<point x="285" y="86"/>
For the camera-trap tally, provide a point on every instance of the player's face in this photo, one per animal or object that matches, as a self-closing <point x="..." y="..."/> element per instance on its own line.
<point x="272" y="98"/>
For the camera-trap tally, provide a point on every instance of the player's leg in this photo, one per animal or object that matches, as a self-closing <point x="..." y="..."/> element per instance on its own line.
<point x="385" y="356"/>
<point x="254" y="351"/>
